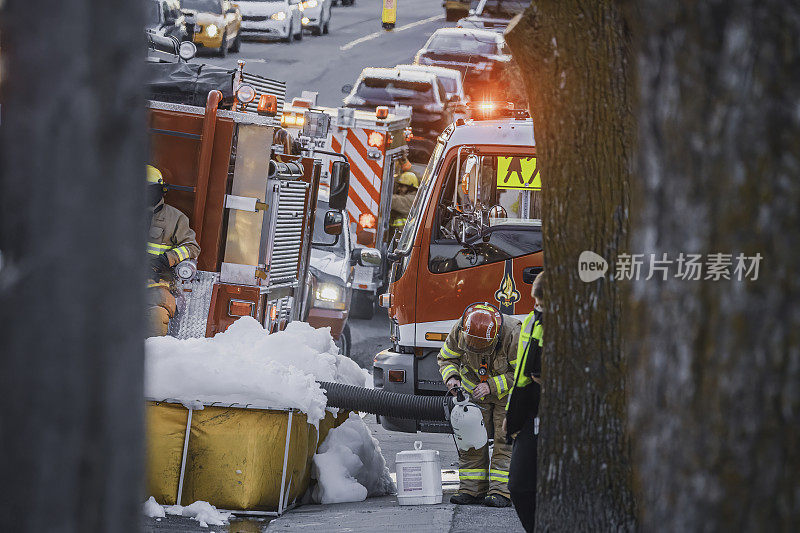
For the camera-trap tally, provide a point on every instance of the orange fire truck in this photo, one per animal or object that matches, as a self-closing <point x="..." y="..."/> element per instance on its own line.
<point x="374" y="143"/>
<point x="473" y="231"/>
<point x="251" y="211"/>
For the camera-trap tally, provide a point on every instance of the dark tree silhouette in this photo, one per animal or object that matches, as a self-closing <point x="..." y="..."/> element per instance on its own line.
<point x="574" y="56"/>
<point x="72" y="266"/>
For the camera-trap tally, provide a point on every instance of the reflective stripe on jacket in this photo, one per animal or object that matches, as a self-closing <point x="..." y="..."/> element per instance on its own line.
<point x="170" y="233"/>
<point x="455" y="361"/>
<point x="523" y="401"/>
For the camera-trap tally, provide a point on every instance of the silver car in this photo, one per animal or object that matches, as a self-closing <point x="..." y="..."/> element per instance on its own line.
<point x="272" y="19"/>
<point x="317" y="16"/>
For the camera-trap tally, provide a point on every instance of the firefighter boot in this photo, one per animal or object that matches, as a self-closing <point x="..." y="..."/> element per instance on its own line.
<point x="496" y="500"/>
<point x="462" y="498"/>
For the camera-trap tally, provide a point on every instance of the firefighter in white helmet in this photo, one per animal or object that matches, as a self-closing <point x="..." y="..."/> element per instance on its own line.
<point x="479" y="356"/>
<point x="170" y="241"/>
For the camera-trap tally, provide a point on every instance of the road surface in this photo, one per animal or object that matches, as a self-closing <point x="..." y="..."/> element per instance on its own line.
<point x="356" y="40"/>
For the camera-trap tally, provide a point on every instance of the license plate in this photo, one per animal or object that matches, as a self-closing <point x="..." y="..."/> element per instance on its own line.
<point x="362" y="276"/>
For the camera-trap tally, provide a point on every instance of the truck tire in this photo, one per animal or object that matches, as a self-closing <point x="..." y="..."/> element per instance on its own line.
<point x="344" y="341"/>
<point x="223" y="47"/>
<point x="362" y="305"/>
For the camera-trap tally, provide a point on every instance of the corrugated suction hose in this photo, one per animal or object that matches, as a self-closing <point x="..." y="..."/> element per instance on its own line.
<point x="384" y="403"/>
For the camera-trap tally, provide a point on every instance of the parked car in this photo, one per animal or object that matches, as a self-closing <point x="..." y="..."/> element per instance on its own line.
<point x="431" y="110"/>
<point x="272" y="19"/>
<point x="493" y="14"/>
<point x="217" y="24"/>
<point x="164" y="17"/>
<point x="344" y="2"/>
<point x="480" y="55"/>
<point x="453" y="83"/>
<point x="317" y="16"/>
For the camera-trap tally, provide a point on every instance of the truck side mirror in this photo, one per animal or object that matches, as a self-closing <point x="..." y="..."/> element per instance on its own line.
<point x="340" y="185"/>
<point x="369" y="257"/>
<point x="333" y="223"/>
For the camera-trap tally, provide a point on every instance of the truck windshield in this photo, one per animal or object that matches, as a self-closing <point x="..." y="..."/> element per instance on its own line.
<point x="203" y="6"/>
<point x="410" y="229"/>
<point x="466" y="43"/>
<point x="385" y="89"/>
<point x="501" y="8"/>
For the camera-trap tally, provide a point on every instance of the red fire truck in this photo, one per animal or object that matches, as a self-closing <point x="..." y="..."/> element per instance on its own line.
<point x="474" y="229"/>
<point x="252" y="211"/>
<point x="374" y="143"/>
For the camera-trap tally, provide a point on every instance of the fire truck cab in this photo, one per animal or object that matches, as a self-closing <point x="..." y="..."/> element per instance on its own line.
<point x="473" y="230"/>
<point x="374" y="144"/>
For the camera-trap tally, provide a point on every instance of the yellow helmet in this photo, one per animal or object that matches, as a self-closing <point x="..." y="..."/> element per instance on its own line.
<point x="409" y="178"/>
<point x="154" y="175"/>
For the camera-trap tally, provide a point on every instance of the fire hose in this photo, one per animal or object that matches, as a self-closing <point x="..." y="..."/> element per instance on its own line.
<point x="385" y="403"/>
<point x="465" y="417"/>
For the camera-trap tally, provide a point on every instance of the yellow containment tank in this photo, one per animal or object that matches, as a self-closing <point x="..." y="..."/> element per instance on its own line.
<point x="236" y="458"/>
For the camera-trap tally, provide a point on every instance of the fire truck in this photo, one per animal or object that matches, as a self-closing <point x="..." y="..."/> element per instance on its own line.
<point x="374" y="144"/>
<point x="252" y="211"/>
<point x="472" y="234"/>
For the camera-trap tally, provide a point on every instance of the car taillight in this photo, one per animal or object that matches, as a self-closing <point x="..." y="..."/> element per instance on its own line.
<point x="397" y="376"/>
<point x="367" y="220"/>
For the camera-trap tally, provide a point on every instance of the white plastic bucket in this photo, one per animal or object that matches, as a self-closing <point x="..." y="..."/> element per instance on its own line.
<point x="419" y="476"/>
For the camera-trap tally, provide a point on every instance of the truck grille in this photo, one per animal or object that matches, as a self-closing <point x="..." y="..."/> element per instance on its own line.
<point x="287" y="240"/>
<point x="264" y="85"/>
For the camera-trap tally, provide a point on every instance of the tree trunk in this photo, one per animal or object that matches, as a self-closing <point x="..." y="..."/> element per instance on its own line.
<point x="574" y="56"/>
<point x="72" y="265"/>
<point x="715" y="403"/>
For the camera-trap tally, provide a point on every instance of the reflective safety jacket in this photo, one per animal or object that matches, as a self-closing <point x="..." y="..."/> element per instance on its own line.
<point x="455" y="360"/>
<point x="170" y="233"/>
<point x="401" y="205"/>
<point x="523" y="400"/>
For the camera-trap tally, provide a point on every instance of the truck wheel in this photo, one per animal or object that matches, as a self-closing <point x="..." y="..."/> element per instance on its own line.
<point x="344" y="341"/>
<point x="289" y="38"/>
<point x="362" y="305"/>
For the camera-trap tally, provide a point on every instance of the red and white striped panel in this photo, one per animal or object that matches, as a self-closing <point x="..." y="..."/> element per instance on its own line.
<point x="366" y="175"/>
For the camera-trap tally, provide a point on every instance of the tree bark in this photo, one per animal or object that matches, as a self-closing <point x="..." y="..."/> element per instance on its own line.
<point x="575" y="59"/>
<point x="72" y="157"/>
<point x="715" y="404"/>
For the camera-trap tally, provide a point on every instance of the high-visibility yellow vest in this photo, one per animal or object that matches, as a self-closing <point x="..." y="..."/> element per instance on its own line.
<point x="532" y="331"/>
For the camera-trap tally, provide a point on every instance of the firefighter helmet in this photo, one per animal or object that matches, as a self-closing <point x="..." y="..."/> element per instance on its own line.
<point x="408" y="178"/>
<point x="154" y="175"/>
<point x="480" y="327"/>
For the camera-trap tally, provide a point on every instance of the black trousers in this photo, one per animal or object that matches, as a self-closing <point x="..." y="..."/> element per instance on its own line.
<point x="522" y="475"/>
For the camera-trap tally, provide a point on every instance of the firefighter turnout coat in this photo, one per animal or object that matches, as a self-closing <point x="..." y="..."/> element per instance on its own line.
<point x="170" y="234"/>
<point x="478" y="473"/>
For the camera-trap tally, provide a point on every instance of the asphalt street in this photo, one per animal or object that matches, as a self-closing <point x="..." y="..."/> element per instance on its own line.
<point x="356" y="40"/>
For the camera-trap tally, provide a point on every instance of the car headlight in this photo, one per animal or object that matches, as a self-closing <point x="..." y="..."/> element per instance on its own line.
<point x="280" y="15"/>
<point x="212" y="30"/>
<point x="329" y="295"/>
<point x="305" y="21"/>
<point x="309" y="4"/>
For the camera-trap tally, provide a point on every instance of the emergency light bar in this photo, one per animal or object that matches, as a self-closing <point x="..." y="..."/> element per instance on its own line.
<point x="488" y="109"/>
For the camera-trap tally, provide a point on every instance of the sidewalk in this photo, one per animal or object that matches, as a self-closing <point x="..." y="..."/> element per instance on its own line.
<point x="382" y="514"/>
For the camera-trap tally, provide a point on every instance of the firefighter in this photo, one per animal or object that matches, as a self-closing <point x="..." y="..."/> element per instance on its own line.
<point x="170" y="241"/>
<point x="522" y="411"/>
<point x="478" y="356"/>
<point x="405" y="189"/>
